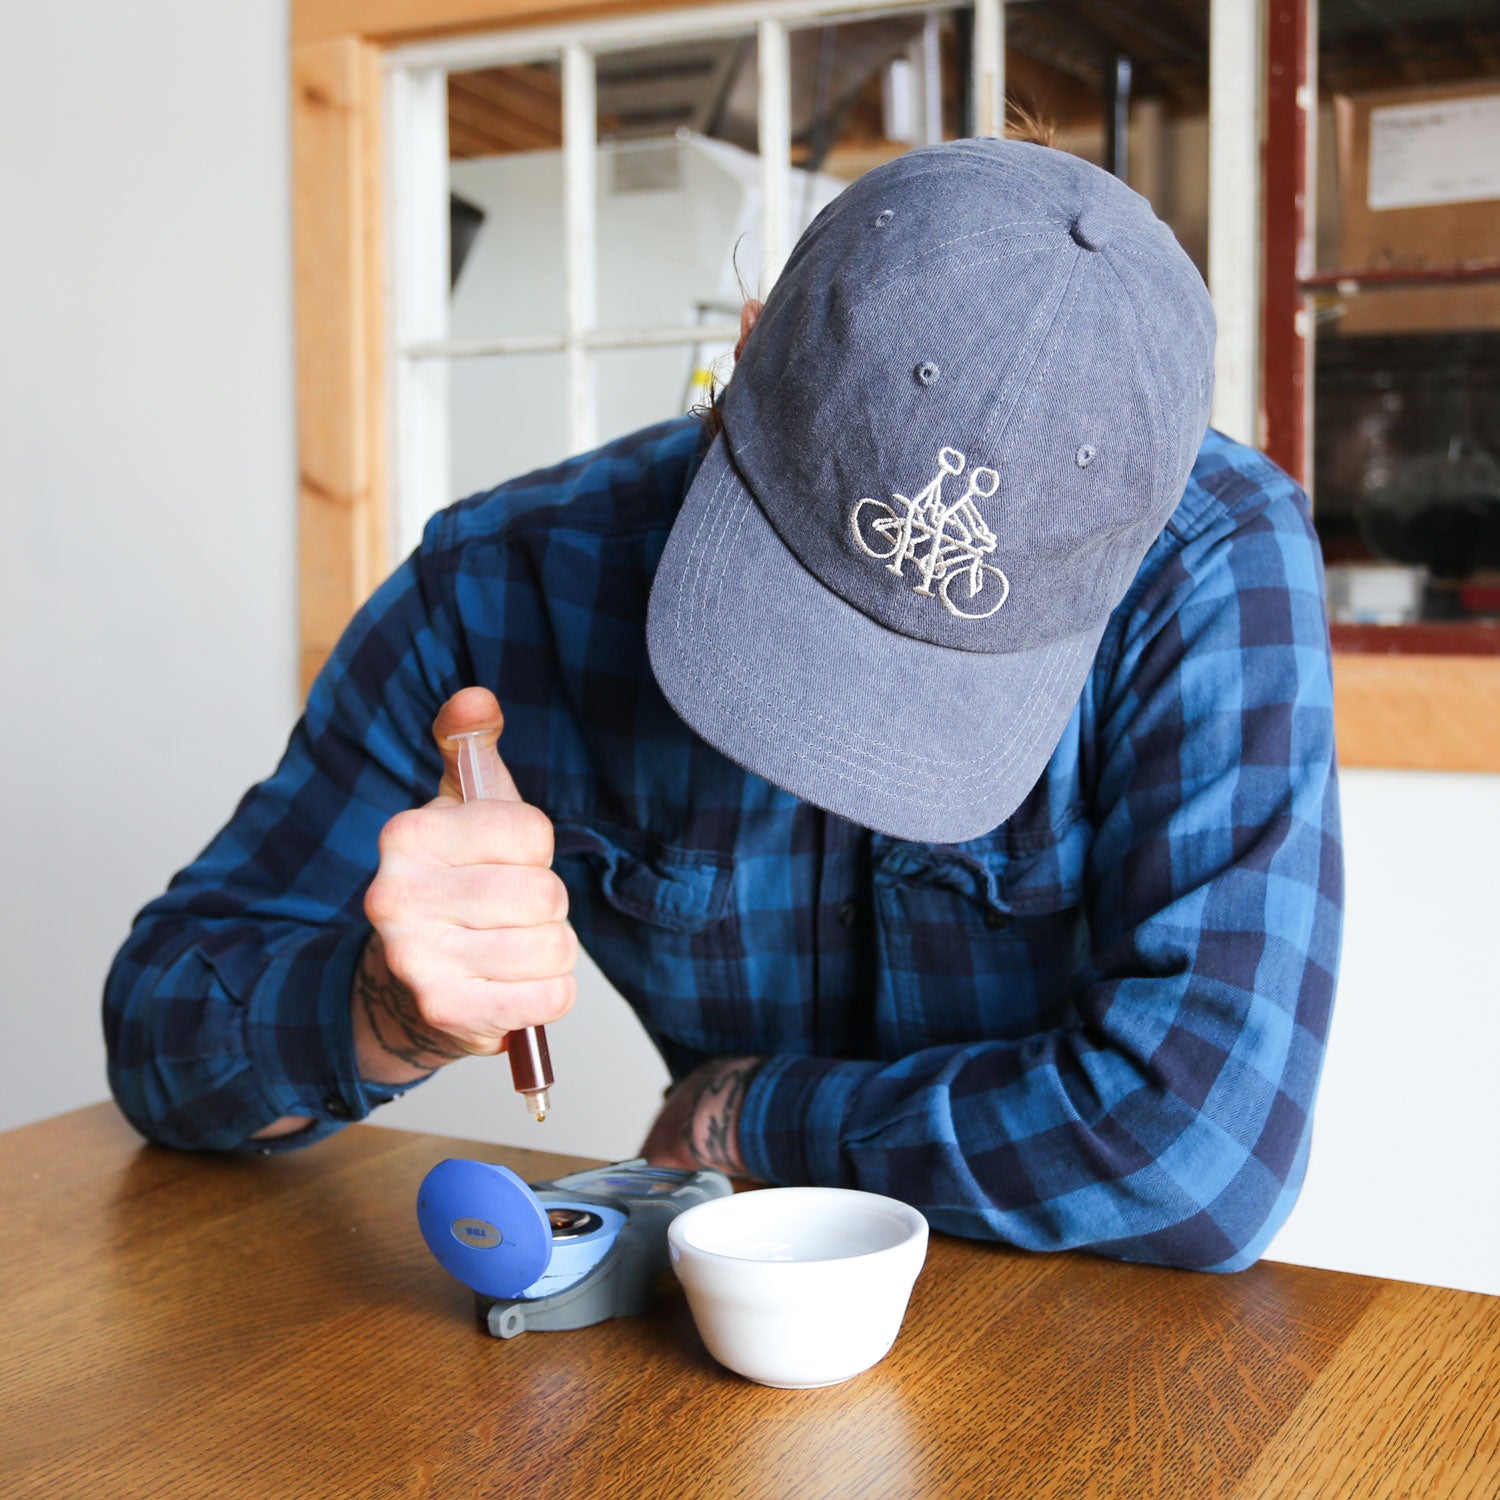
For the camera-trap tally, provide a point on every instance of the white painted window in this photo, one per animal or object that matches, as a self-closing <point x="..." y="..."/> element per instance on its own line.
<point x="608" y="267"/>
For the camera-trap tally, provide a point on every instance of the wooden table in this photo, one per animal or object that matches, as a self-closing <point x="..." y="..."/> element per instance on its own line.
<point x="273" y="1327"/>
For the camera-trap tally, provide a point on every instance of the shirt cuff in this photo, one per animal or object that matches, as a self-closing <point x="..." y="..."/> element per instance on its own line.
<point x="791" y="1127"/>
<point x="300" y="1038"/>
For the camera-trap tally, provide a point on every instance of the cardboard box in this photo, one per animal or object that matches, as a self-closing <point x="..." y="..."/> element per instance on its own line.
<point x="1432" y="199"/>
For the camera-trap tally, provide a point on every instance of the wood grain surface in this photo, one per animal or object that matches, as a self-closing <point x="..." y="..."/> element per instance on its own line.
<point x="274" y="1326"/>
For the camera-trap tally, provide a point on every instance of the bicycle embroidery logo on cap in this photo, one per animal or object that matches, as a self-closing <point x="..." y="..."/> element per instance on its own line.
<point x="955" y="537"/>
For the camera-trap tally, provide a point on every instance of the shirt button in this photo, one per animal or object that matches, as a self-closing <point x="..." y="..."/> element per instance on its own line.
<point x="995" y="920"/>
<point x="848" y="914"/>
<point x="336" y="1109"/>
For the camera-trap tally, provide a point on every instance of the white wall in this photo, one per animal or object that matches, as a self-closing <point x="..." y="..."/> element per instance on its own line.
<point x="147" y="471"/>
<point x="1404" y="1179"/>
<point x="147" y="475"/>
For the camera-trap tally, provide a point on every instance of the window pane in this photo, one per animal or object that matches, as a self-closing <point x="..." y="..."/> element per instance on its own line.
<point x="505" y="207"/>
<point x="864" y="92"/>
<point x="637" y="387"/>
<point x="1406" y="450"/>
<point x="507" y="414"/>
<point x="678" y="207"/>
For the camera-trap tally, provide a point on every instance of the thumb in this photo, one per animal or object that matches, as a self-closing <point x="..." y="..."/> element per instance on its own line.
<point x="471" y="710"/>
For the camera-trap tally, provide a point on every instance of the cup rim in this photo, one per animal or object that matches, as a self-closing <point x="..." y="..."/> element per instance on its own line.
<point x="914" y="1220"/>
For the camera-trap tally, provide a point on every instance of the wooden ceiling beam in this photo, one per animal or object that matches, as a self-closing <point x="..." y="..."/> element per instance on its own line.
<point x="464" y="141"/>
<point x="539" y="84"/>
<point x="511" y="131"/>
<point x="486" y="91"/>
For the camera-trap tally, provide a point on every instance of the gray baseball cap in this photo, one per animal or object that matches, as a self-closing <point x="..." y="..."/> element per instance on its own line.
<point x="967" y="410"/>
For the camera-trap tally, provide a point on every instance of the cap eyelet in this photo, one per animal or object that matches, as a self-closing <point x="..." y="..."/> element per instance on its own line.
<point x="883" y="218"/>
<point x="927" y="373"/>
<point x="1085" y="456"/>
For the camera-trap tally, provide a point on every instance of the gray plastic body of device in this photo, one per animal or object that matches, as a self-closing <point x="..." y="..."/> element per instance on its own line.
<point x="623" y="1283"/>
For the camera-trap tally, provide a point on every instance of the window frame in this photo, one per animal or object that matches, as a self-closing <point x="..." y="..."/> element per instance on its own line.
<point x="1407" y="697"/>
<point x="417" y="152"/>
<point x="1429" y="712"/>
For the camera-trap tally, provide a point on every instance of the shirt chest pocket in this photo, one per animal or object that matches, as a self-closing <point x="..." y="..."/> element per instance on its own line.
<point x="660" y="921"/>
<point x="978" y="941"/>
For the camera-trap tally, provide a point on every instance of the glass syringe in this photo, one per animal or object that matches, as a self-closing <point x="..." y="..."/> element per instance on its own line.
<point x="530" y="1063"/>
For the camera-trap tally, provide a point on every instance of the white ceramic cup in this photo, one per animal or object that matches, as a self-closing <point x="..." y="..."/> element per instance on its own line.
<point x="798" y="1287"/>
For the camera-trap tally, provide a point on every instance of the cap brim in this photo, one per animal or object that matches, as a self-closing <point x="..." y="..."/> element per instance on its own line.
<point x="781" y="675"/>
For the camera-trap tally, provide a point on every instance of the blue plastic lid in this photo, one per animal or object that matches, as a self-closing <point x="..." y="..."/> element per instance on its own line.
<point x="485" y="1226"/>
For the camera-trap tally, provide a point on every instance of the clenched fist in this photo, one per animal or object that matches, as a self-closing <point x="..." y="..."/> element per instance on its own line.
<point x="471" y="935"/>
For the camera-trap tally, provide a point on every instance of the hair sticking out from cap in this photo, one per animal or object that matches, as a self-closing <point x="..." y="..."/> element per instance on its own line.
<point x="1023" y="123"/>
<point x="708" y="412"/>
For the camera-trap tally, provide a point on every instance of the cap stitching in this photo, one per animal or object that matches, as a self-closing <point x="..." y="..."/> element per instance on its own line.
<point x="990" y="229"/>
<point x="1143" y="234"/>
<point x="1206" y="339"/>
<point x="1159" y="405"/>
<point x="1003" y="403"/>
<point x="831" y="757"/>
<point x="885" y="277"/>
<point x="701" y="561"/>
<point x="1070" y="293"/>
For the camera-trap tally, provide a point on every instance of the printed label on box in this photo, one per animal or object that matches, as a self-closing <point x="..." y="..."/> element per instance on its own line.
<point x="1445" y="151"/>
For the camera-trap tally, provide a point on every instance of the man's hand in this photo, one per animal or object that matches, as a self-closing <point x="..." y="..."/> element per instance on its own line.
<point x="471" y="938"/>
<point x="699" y="1125"/>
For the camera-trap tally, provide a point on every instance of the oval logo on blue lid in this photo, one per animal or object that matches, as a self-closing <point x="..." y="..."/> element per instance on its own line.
<point x="478" y="1234"/>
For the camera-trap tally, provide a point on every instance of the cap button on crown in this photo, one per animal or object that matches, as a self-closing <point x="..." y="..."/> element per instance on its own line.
<point x="1089" y="231"/>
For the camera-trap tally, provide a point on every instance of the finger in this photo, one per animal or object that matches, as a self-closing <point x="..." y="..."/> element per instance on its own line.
<point x="478" y="1013"/>
<point x="472" y="710"/>
<point x="512" y="955"/>
<point x="477" y="896"/>
<point x="447" y="834"/>
<point x="489" y="898"/>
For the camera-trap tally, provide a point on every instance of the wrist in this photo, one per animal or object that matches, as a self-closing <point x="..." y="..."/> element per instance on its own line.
<point x="392" y="1043"/>
<point x="713" y="1122"/>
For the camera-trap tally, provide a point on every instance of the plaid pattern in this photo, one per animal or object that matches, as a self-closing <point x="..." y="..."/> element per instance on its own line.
<point x="1099" y="1026"/>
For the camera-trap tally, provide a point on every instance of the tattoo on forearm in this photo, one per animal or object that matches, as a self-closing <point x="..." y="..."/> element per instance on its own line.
<point x="711" y="1129"/>
<point x="391" y="1012"/>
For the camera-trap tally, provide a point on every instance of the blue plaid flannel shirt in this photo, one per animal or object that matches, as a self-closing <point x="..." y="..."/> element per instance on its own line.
<point x="1100" y="1025"/>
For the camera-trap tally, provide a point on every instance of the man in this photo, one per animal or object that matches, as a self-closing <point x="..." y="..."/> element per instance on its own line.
<point x="940" y="761"/>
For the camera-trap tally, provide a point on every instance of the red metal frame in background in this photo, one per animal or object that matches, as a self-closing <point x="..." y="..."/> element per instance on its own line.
<point x="1286" y="349"/>
<point x="1361" y="278"/>
<point x="1288" y="281"/>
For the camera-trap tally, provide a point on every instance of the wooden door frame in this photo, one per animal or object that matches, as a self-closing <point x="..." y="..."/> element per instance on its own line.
<point x="1404" y="712"/>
